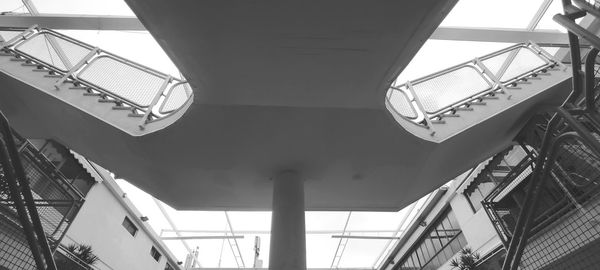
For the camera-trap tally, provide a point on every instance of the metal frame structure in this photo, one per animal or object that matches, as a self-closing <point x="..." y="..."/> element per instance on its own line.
<point x="80" y="76"/>
<point x="496" y="84"/>
<point x="133" y="24"/>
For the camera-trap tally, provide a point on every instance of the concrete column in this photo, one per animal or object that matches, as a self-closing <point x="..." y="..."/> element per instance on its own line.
<point x="288" y="232"/>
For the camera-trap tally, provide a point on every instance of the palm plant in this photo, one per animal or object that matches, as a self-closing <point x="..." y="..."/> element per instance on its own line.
<point x="466" y="260"/>
<point x="83" y="252"/>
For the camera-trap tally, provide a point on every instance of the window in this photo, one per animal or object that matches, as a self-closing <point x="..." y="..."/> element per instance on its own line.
<point x="129" y="226"/>
<point x="440" y="242"/>
<point x="155" y="254"/>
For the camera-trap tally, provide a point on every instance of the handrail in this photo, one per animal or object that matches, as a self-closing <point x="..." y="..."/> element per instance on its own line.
<point x="86" y="57"/>
<point x="495" y="84"/>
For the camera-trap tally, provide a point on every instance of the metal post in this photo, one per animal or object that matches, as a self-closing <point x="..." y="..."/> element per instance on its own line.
<point x="76" y="67"/>
<point x="590" y="62"/>
<point x="527" y="212"/>
<point x="162" y="89"/>
<point x="410" y="88"/>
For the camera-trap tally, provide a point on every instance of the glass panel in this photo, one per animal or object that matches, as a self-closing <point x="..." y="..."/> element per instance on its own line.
<point x="492" y="13"/>
<point x="433" y="56"/>
<point x="547" y="23"/>
<point x="87" y="7"/>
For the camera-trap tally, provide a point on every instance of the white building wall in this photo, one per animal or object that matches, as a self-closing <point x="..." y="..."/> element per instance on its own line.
<point x="476" y="227"/>
<point x="99" y="224"/>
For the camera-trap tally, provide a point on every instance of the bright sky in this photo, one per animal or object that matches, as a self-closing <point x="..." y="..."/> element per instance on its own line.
<point x="435" y="55"/>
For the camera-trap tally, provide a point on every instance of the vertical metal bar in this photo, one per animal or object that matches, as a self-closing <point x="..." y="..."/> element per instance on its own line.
<point x="235" y="241"/>
<point x="26" y="190"/>
<point x="59" y="240"/>
<point x="162" y="89"/>
<point x="530" y="198"/>
<point x="18" y="37"/>
<point x="19" y="205"/>
<point x="490" y="74"/>
<point x="410" y="88"/>
<point x="590" y="62"/>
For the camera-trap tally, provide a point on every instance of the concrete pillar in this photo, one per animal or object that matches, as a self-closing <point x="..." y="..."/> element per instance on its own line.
<point x="288" y="232"/>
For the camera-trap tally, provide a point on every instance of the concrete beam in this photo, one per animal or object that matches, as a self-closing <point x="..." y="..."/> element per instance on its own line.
<point x="73" y="22"/>
<point x="128" y="23"/>
<point x="499" y="35"/>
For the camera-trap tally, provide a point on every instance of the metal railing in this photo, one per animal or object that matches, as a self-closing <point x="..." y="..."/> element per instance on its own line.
<point x="148" y="92"/>
<point x="55" y="200"/>
<point x="450" y="90"/>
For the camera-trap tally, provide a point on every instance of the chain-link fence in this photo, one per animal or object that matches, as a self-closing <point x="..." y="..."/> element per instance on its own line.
<point x="56" y="201"/>
<point x="566" y="224"/>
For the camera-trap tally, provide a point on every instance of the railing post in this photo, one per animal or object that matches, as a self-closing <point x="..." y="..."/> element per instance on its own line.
<point x="163" y="87"/>
<point x="490" y="74"/>
<point x="415" y="98"/>
<point x="85" y="60"/>
<point x="23" y="35"/>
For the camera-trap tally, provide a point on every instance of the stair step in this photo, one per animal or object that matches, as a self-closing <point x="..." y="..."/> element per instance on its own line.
<point x="450" y="115"/>
<point x="6" y="54"/>
<point x="92" y="94"/>
<point x="18" y="59"/>
<point x="53" y="76"/>
<point x="135" y="115"/>
<point x="490" y="97"/>
<point x="476" y="103"/>
<point x="438" y="122"/>
<point x="78" y="87"/>
<point x="40" y="70"/>
<point x="122" y="108"/>
<point x="30" y="64"/>
<point x="107" y="100"/>
<point x="464" y="109"/>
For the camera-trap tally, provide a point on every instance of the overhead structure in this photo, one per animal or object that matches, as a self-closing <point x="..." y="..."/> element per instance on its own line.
<point x="302" y="86"/>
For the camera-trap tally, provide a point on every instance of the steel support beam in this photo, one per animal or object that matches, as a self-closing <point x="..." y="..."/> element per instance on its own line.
<point x="74" y="22"/>
<point x="499" y="35"/>
<point x="127" y="23"/>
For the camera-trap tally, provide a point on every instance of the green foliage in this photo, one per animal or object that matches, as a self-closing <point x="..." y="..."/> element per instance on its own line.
<point x="466" y="260"/>
<point x="83" y="252"/>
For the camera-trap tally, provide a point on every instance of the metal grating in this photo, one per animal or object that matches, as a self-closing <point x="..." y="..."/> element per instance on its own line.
<point x="130" y="82"/>
<point x="449" y="88"/>
<point x="53" y="50"/>
<point x="7" y="35"/>
<point x="401" y="104"/>
<point x="178" y="95"/>
<point x="522" y="60"/>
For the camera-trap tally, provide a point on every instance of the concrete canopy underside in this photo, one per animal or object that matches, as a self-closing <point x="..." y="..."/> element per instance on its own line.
<point x="278" y="85"/>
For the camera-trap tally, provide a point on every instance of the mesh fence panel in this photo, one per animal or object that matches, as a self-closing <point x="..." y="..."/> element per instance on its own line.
<point x="49" y="48"/>
<point x="572" y="241"/>
<point x="449" y="88"/>
<point x="177" y="97"/>
<point x="14" y="248"/>
<point x="522" y="60"/>
<point x="7" y="35"/>
<point x="399" y="101"/>
<point x="131" y="83"/>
